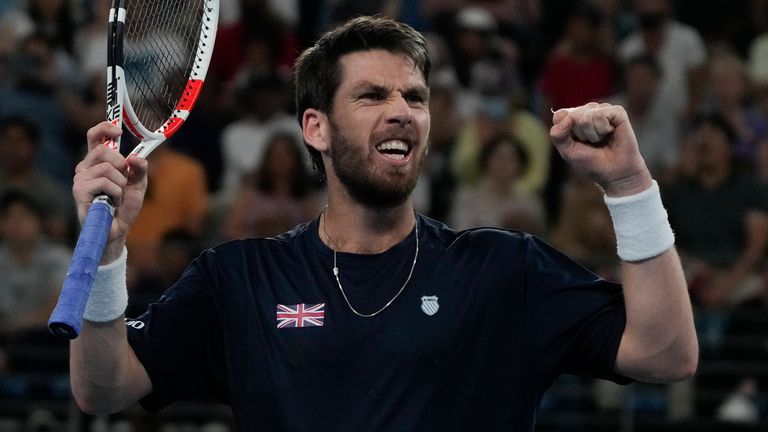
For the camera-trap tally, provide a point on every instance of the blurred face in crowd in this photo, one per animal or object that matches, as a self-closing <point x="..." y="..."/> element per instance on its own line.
<point x="379" y="127"/>
<point x="20" y="224"/>
<point x="652" y="16"/>
<point x="504" y="163"/>
<point x="474" y="45"/>
<point x="641" y="81"/>
<point x="583" y="35"/>
<point x="651" y="13"/>
<point x="282" y="158"/>
<point x="442" y="105"/>
<point x="728" y="79"/>
<point x="17" y="150"/>
<point x="713" y="149"/>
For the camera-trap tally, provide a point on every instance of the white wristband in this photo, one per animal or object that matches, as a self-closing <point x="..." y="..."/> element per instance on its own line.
<point x="109" y="295"/>
<point x="641" y="224"/>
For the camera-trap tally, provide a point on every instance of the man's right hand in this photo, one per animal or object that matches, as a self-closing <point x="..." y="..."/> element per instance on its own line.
<point x="104" y="170"/>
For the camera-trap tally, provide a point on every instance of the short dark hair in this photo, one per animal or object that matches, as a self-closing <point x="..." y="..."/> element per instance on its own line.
<point x="646" y="60"/>
<point x="12" y="197"/>
<point x="23" y="123"/>
<point x="317" y="74"/>
<point x="499" y="140"/>
<point x="716" y="120"/>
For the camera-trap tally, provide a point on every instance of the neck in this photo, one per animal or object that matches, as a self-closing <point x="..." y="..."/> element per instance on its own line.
<point x="352" y="227"/>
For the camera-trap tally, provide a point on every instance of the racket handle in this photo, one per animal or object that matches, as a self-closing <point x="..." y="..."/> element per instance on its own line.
<point x="67" y="317"/>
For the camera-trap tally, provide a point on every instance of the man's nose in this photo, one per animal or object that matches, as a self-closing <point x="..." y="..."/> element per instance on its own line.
<point x="400" y="112"/>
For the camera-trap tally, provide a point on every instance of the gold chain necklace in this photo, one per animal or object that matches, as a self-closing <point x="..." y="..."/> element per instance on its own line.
<point x="402" y="288"/>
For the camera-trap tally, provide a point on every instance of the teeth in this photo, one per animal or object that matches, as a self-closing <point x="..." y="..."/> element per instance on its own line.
<point x="393" y="145"/>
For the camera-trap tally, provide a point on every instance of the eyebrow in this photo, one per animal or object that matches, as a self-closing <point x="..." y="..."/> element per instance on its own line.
<point x="367" y="85"/>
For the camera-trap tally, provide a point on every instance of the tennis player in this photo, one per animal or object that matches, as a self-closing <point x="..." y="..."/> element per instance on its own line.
<point x="372" y="317"/>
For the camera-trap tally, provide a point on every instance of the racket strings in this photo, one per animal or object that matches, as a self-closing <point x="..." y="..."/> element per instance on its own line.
<point x="161" y="49"/>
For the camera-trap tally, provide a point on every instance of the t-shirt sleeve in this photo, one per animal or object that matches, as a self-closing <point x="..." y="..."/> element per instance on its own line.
<point x="576" y="318"/>
<point x="178" y="342"/>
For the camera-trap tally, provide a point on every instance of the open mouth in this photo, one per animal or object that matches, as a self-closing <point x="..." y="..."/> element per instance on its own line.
<point x="394" y="149"/>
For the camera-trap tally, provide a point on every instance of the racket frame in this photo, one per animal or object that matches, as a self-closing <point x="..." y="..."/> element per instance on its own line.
<point x="66" y="318"/>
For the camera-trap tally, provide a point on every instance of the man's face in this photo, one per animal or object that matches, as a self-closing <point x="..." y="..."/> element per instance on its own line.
<point x="714" y="149"/>
<point x="379" y="124"/>
<point x="17" y="151"/>
<point x="641" y="83"/>
<point x="19" y="224"/>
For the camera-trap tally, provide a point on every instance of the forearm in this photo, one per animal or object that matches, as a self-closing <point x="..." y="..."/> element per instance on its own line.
<point x="106" y="375"/>
<point x="659" y="342"/>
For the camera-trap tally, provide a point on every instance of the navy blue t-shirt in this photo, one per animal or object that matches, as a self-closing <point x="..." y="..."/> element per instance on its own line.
<point x="488" y="321"/>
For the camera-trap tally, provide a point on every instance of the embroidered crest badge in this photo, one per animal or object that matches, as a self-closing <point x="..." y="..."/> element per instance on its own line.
<point x="429" y="305"/>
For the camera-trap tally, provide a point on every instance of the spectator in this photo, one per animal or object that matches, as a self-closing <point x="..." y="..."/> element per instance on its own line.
<point x="679" y="50"/>
<point x="32" y="92"/>
<point x="747" y="345"/>
<point x="33" y="269"/>
<point x="730" y="95"/>
<point x="484" y="60"/>
<point x="19" y="147"/>
<point x="32" y="266"/>
<point x="244" y="141"/>
<point x="584" y="229"/>
<point x="176" y="249"/>
<point x="656" y="125"/>
<point x="277" y="196"/>
<point x="496" y="200"/>
<point x="497" y="117"/>
<point x="54" y="20"/>
<point x="443" y="137"/>
<point x="720" y="217"/>
<point x="577" y="71"/>
<point x="177" y="198"/>
<point x="255" y="39"/>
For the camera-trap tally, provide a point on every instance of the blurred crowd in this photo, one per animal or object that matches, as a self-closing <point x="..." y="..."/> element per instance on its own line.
<point x="693" y="77"/>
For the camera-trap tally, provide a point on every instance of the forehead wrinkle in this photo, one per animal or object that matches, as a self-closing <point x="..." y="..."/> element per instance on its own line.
<point x="377" y="55"/>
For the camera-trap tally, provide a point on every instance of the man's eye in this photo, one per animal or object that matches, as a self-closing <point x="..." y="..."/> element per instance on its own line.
<point x="372" y="96"/>
<point x="415" y="98"/>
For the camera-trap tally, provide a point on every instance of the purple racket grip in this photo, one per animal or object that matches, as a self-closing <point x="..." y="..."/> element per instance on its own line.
<point x="67" y="317"/>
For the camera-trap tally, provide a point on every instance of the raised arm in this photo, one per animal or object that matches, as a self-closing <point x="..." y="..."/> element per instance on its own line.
<point x="659" y="342"/>
<point x="106" y="376"/>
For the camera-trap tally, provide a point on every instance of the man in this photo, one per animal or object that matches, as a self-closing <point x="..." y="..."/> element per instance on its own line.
<point x="718" y="205"/>
<point x="679" y="49"/>
<point x="19" y="149"/>
<point x="371" y="317"/>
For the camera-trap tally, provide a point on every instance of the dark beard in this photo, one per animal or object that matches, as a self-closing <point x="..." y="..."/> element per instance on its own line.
<point x="363" y="187"/>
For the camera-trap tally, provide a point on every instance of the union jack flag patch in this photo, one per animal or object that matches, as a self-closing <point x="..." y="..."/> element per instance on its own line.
<point x="300" y="315"/>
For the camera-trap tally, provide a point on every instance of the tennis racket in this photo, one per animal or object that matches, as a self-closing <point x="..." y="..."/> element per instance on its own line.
<point x="158" y="52"/>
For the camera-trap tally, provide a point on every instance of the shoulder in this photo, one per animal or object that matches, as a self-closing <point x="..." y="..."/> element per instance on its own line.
<point x="244" y="248"/>
<point x="474" y="239"/>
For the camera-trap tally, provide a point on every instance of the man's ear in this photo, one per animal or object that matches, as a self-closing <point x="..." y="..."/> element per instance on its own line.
<point x="316" y="129"/>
